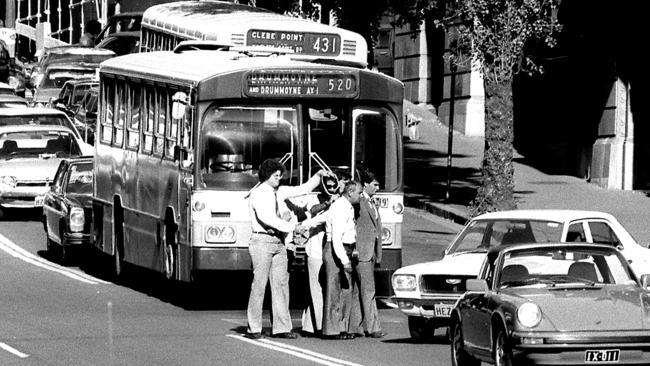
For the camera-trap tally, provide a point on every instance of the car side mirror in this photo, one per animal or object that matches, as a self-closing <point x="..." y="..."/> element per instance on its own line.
<point x="476" y="285"/>
<point x="645" y="281"/>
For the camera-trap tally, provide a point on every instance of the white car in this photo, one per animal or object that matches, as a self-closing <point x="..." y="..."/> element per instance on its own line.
<point x="427" y="292"/>
<point x="29" y="158"/>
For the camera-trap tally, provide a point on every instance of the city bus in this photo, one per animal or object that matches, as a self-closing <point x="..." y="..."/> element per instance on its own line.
<point x="180" y="137"/>
<point x="164" y="26"/>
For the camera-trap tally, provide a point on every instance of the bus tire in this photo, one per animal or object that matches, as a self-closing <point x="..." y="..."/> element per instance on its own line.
<point x="118" y="244"/>
<point x="170" y="251"/>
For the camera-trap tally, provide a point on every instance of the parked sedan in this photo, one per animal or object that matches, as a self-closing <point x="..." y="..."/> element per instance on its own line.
<point x="29" y="158"/>
<point x="426" y="292"/>
<point x="67" y="209"/>
<point x="553" y="304"/>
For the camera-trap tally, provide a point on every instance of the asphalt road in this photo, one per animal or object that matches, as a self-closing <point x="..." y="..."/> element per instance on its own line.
<point x="74" y="315"/>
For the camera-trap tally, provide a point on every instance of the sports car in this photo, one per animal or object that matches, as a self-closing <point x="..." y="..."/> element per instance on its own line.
<point x="67" y="208"/>
<point x="426" y="292"/>
<point x="553" y="304"/>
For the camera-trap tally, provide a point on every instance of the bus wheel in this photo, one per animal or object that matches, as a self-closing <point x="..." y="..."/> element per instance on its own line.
<point x="170" y="252"/>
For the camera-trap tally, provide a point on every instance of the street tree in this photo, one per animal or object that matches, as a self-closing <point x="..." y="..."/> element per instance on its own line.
<point x="504" y="38"/>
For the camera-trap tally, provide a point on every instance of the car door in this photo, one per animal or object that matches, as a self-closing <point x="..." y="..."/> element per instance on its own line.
<point x="476" y="314"/>
<point x="52" y="203"/>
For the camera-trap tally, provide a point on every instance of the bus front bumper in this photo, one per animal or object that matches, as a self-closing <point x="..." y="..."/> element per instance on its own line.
<point x="208" y="259"/>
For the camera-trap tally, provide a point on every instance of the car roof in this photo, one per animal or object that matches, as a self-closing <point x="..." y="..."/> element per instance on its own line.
<point x="545" y="214"/>
<point x="12" y="98"/>
<point x="37" y="111"/>
<point x="75" y="82"/>
<point x="79" y="160"/>
<point x="19" y="128"/>
<point x="495" y="251"/>
<point x="79" y="50"/>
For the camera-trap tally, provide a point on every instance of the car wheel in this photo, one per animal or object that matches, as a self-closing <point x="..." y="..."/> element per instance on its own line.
<point x="502" y="355"/>
<point x="420" y="328"/>
<point x="459" y="356"/>
<point x="170" y="252"/>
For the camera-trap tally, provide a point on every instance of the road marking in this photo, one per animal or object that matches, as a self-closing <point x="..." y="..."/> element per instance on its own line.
<point x="16" y="251"/>
<point x="296" y="351"/>
<point x="10" y="349"/>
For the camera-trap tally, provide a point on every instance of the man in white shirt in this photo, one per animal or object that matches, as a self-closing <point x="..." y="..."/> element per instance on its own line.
<point x="267" y="250"/>
<point x="341" y="238"/>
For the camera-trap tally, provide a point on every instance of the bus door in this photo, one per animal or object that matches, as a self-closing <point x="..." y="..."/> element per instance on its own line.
<point x="182" y="114"/>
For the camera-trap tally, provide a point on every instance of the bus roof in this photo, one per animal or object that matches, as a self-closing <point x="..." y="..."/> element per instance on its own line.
<point x="243" y="25"/>
<point x="203" y="67"/>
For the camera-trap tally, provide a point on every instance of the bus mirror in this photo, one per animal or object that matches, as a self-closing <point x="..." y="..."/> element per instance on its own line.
<point x="179" y="101"/>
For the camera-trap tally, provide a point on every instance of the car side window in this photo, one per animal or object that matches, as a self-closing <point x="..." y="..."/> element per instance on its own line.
<point x="576" y="233"/>
<point x="602" y="233"/>
<point x="59" y="177"/>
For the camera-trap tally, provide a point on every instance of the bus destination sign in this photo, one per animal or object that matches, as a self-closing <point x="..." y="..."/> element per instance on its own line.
<point x="300" y="84"/>
<point x="304" y="43"/>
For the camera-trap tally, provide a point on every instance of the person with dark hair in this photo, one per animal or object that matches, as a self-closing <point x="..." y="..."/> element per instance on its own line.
<point x="337" y="261"/>
<point x="92" y="30"/>
<point x="368" y="250"/>
<point x="268" y="251"/>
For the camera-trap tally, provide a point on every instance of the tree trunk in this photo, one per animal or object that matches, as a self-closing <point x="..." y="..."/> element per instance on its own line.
<point x="496" y="192"/>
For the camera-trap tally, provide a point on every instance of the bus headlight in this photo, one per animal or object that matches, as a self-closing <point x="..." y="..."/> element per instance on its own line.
<point x="198" y="206"/>
<point x="404" y="282"/>
<point x="7" y="182"/>
<point x="77" y="219"/>
<point x="386" y="236"/>
<point x="398" y="208"/>
<point x="220" y="234"/>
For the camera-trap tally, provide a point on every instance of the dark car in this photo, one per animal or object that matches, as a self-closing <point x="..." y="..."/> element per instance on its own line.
<point x="67" y="209"/>
<point x="67" y="55"/>
<point x="553" y="304"/>
<point x="56" y="75"/>
<point x="122" y="43"/>
<point x="85" y="119"/>
<point x="121" y="22"/>
<point x="72" y="94"/>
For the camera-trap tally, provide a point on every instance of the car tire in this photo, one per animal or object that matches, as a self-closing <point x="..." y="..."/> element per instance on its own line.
<point x="421" y="328"/>
<point x="459" y="356"/>
<point x="502" y="353"/>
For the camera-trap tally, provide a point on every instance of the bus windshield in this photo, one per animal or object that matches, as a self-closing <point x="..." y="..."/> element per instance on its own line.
<point x="235" y="140"/>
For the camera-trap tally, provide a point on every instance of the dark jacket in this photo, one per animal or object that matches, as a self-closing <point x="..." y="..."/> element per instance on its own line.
<point x="368" y="233"/>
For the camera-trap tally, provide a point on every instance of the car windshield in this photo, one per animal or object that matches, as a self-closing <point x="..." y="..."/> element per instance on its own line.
<point x="41" y="143"/>
<point x="480" y="235"/>
<point x="56" y="78"/>
<point x="80" y="179"/>
<point x="564" y="266"/>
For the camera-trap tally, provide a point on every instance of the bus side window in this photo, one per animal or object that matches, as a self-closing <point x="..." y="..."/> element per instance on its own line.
<point x="187" y="128"/>
<point x="133" y="130"/>
<point x="108" y="97"/>
<point x="120" y="111"/>
<point x="149" y="113"/>
<point x="171" y="137"/>
<point x="161" y="119"/>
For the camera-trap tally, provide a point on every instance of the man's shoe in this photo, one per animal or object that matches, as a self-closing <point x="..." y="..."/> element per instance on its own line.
<point x="254" y="335"/>
<point x="340" y="336"/>
<point x="358" y="335"/>
<point x="378" y="334"/>
<point x="288" y="335"/>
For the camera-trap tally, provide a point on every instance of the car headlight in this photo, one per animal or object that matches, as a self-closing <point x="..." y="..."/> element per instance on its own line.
<point x="77" y="219"/>
<point x="404" y="282"/>
<point x="7" y="182"/>
<point x="529" y="315"/>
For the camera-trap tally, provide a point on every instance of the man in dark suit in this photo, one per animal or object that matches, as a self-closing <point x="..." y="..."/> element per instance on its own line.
<point x="369" y="255"/>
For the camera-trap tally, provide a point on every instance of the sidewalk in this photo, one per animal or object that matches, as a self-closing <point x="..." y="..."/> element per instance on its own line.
<point x="425" y="178"/>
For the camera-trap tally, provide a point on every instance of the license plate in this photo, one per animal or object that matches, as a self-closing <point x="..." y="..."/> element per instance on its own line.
<point x="602" y="356"/>
<point x="38" y="200"/>
<point x="442" y="310"/>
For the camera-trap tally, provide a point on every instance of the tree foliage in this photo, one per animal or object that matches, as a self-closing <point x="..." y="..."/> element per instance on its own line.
<point x="503" y="37"/>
